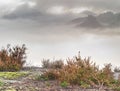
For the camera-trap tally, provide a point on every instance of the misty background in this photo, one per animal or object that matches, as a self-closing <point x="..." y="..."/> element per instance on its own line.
<point x="58" y="29"/>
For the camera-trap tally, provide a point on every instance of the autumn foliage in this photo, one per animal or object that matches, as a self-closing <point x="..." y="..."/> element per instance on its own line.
<point x="12" y="58"/>
<point x="82" y="72"/>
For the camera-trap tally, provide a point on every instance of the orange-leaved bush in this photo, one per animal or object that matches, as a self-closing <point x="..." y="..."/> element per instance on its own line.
<point x="82" y="72"/>
<point x="12" y="58"/>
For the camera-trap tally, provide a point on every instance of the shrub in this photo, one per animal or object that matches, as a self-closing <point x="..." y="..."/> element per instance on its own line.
<point x="77" y="70"/>
<point x="41" y="78"/>
<point x="46" y="63"/>
<point x="51" y="74"/>
<point x="82" y="72"/>
<point x="58" y="64"/>
<point x="12" y="58"/>
<point x="117" y="69"/>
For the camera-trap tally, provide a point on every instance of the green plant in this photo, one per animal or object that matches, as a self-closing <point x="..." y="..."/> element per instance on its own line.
<point x="64" y="84"/>
<point x="41" y="78"/>
<point x="1" y="83"/>
<point x="117" y="88"/>
<point x="84" y="84"/>
<point x="12" y="75"/>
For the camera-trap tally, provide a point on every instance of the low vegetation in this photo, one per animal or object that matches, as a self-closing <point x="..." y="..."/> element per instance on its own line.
<point x="12" y="58"/>
<point x="1" y="83"/>
<point x="83" y="73"/>
<point x="117" y="69"/>
<point x="52" y="64"/>
<point x="12" y="75"/>
<point x="64" y="84"/>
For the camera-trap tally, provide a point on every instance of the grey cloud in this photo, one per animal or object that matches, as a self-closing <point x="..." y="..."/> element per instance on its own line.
<point x="38" y="13"/>
<point x="103" y="20"/>
<point x="43" y="5"/>
<point x="43" y="19"/>
<point x="90" y="22"/>
<point x="97" y="5"/>
<point x="23" y="11"/>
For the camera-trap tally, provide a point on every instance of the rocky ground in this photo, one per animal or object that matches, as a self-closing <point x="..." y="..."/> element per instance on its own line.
<point x="28" y="83"/>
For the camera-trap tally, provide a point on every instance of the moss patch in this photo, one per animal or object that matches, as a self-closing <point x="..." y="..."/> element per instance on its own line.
<point x="12" y="75"/>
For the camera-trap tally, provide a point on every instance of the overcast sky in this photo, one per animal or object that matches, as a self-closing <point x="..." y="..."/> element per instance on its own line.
<point x="45" y="27"/>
